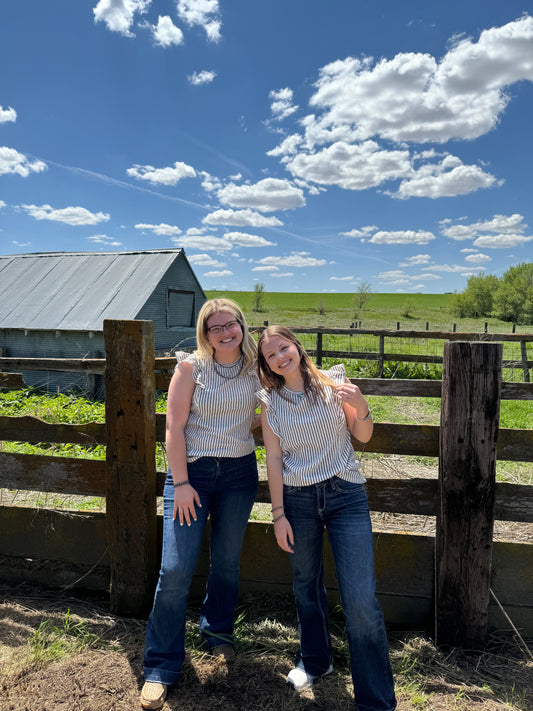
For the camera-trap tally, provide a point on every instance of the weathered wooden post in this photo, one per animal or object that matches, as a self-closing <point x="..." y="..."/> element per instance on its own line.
<point x="381" y="355"/>
<point x="131" y="519"/>
<point x="471" y="385"/>
<point x="319" y="348"/>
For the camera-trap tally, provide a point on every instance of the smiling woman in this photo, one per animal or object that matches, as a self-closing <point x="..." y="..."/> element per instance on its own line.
<point x="212" y="473"/>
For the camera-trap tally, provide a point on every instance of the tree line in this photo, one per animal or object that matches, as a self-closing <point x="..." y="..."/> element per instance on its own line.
<point x="509" y="298"/>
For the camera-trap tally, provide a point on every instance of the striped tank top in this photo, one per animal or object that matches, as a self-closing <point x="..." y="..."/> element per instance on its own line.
<point x="313" y="434"/>
<point x="222" y="409"/>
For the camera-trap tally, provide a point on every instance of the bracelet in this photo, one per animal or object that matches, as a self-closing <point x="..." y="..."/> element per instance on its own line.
<point x="276" y="508"/>
<point x="278" y="518"/>
<point x="180" y="483"/>
<point x="366" y="417"/>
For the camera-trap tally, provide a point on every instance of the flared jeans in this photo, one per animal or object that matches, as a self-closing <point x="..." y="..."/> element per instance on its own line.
<point x="341" y="508"/>
<point x="227" y="488"/>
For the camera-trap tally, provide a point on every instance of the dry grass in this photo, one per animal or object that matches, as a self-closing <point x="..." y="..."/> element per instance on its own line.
<point x="106" y="673"/>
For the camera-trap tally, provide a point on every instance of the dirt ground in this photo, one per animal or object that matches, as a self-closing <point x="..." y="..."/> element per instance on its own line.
<point x="105" y="673"/>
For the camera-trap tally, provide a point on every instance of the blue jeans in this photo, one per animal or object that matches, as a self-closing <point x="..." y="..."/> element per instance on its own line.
<point x="227" y="488"/>
<point x="341" y="507"/>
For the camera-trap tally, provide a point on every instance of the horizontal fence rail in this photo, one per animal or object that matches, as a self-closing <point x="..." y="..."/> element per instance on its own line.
<point x="132" y="581"/>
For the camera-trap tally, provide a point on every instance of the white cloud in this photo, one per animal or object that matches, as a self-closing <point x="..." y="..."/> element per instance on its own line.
<point x="11" y="161"/>
<point x="501" y="241"/>
<point x="199" y="78"/>
<point x="453" y="269"/>
<point x="478" y="258"/>
<point x="7" y="114"/>
<point x="2" y="204"/>
<point x="209" y="182"/>
<point x="68" y="215"/>
<point x="241" y="218"/>
<point x="353" y="167"/>
<point x="161" y="229"/>
<point x="104" y="239"/>
<point x="247" y="240"/>
<point x="118" y="14"/>
<point x="223" y="273"/>
<point x="267" y="195"/>
<point x="204" y="13"/>
<point x="21" y="244"/>
<point x="202" y="241"/>
<point x="166" y="33"/>
<point x="448" y="178"/>
<point x="402" y="237"/>
<point x="282" y="105"/>
<point x="265" y="269"/>
<point x="282" y="275"/>
<point x="204" y="260"/>
<point x="293" y="260"/>
<point x="361" y="232"/>
<point x="359" y="103"/>
<point x="346" y="278"/>
<point x="165" y="176"/>
<point x="416" y="260"/>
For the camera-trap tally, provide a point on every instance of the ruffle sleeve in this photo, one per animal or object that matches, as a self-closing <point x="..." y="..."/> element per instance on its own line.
<point x="266" y="398"/>
<point x="337" y="373"/>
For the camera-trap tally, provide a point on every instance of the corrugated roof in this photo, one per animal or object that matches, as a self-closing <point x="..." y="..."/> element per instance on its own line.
<point x="77" y="290"/>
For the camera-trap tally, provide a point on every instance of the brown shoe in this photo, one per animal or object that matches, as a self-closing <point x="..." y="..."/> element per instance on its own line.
<point x="224" y="650"/>
<point x="153" y="695"/>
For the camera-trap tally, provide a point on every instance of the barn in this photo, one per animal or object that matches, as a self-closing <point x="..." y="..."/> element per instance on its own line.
<point x="53" y="305"/>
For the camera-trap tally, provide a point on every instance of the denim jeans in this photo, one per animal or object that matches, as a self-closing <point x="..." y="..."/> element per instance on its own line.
<point x="227" y="488"/>
<point x="341" y="507"/>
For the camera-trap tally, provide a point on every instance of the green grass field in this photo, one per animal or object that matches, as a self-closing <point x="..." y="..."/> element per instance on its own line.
<point x="413" y="311"/>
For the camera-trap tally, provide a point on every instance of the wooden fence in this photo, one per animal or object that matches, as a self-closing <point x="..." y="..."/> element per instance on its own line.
<point x="450" y="582"/>
<point x="382" y="355"/>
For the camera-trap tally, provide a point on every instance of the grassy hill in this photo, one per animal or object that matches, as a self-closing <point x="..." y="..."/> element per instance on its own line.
<point x="413" y="311"/>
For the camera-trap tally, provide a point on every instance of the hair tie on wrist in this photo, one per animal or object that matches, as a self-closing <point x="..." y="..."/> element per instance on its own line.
<point x="278" y="518"/>
<point x="276" y="508"/>
<point x="366" y="417"/>
<point x="180" y="483"/>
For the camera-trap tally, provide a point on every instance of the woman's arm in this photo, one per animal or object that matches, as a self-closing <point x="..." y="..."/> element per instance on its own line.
<point x="356" y="410"/>
<point x="274" y="462"/>
<point x="180" y="393"/>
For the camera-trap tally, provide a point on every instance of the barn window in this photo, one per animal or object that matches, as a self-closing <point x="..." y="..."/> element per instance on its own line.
<point x="180" y="308"/>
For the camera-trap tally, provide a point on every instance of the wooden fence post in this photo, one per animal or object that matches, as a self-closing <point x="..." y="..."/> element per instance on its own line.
<point x="319" y="349"/>
<point x="131" y="520"/>
<point x="523" y="354"/>
<point x="470" y="405"/>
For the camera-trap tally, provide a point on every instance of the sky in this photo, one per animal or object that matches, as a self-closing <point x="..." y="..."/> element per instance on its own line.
<point x="309" y="146"/>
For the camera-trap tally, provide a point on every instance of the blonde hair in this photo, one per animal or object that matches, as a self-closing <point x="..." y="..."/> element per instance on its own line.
<point x="204" y="349"/>
<point x="315" y="381"/>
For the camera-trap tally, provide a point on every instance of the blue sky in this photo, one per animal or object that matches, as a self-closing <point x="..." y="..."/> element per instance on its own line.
<point x="307" y="145"/>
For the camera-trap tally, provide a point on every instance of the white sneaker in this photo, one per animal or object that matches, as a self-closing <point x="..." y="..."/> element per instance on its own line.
<point x="299" y="679"/>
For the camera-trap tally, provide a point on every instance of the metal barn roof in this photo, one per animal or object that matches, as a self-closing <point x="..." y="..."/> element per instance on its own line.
<point x="78" y="290"/>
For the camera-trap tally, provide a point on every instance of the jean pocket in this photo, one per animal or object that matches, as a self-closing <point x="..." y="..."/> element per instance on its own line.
<point x="343" y="485"/>
<point x="290" y="490"/>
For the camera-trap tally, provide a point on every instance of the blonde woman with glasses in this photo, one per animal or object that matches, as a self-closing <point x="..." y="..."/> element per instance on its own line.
<point x="212" y="473"/>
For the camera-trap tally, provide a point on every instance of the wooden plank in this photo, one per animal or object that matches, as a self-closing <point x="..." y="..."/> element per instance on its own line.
<point x="421" y="335"/>
<point x="466" y="492"/>
<point x="34" y="430"/>
<point x="515" y="445"/>
<point x="130" y="457"/>
<point x="45" y="534"/>
<point x="11" y="381"/>
<point x="92" y="365"/>
<point x="63" y="475"/>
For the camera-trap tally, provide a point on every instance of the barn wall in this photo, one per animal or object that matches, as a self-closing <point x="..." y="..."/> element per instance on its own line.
<point x="21" y="343"/>
<point x="179" y="277"/>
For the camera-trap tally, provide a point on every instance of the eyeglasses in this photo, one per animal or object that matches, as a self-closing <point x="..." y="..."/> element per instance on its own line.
<point x="225" y="327"/>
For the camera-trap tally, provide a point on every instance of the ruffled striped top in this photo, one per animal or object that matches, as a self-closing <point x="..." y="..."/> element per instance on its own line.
<point x="313" y="434"/>
<point x="222" y="408"/>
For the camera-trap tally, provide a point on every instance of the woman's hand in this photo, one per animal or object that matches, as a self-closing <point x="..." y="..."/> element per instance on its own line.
<point x="351" y="395"/>
<point x="185" y="498"/>
<point x="284" y="534"/>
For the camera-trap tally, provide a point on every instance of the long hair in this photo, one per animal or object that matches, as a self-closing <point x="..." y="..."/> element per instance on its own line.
<point x="204" y="349"/>
<point x="315" y="381"/>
